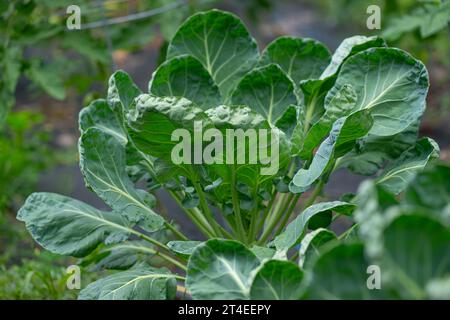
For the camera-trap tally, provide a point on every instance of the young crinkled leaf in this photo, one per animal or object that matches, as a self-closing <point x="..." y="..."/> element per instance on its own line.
<point x="266" y="90"/>
<point x="184" y="76"/>
<point x="267" y="159"/>
<point x="100" y="115"/>
<point x="121" y="94"/>
<point x="399" y="173"/>
<point x="67" y="226"/>
<point x="299" y="58"/>
<point x="221" y="43"/>
<point x="220" y="269"/>
<point x="153" y="120"/>
<point x="277" y="280"/>
<point x="141" y="282"/>
<point x="342" y="138"/>
<point x="295" y="231"/>
<point x="102" y="162"/>
<point x="341" y="104"/>
<point x="122" y="91"/>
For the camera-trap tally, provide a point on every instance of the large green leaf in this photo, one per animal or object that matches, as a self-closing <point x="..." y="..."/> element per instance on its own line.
<point x="409" y="243"/>
<point x="430" y="189"/>
<point x="184" y="76"/>
<point x="141" y="282"/>
<point x="277" y="280"/>
<point x="312" y="243"/>
<point x="349" y="47"/>
<point x="388" y="82"/>
<point x="220" y="269"/>
<point x="298" y="227"/>
<point x="416" y="250"/>
<point x="372" y="200"/>
<point x="221" y="43"/>
<point x="121" y="256"/>
<point x="315" y="90"/>
<point x="344" y="133"/>
<point x="340" y="272"/>
<point x="372" y="152"/>
<point x="100" y="115"/>
<point x="102" y="162"/>
<point x="301" y="59"/>
<point x="267" y="90"/>
<point x="70" y="227"/>
<point x="399" y="173"/>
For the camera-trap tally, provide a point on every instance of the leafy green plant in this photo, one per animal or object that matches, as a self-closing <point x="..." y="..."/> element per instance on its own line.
<point x="23" y="154"/>
<point x="429" y="17"/>
<point x="358" y="109"/>
<point x="36" y="43"/>
<point x="41" y="275"/>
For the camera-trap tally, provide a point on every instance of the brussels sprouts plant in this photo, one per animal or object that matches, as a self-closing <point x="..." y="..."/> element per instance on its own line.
<point x="262" y="233"/>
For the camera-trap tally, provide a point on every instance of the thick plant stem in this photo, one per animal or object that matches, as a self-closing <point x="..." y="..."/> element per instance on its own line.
<point x="206" y="210"/>
<point x="151" y="240"/>
<point x="175" y="231"/>
<point x="266" y="213"/>
<point x="160" y="245"/>
<point x="281" y="201"/>
<point x="288" y="214"/>
<point x="237" y="209"/>
<point x="254" y="217"/>
<point x="196" y="218"/>
<point x="276" y="207"/>
<point x="316" y="192"/>
<point x="276" y="218"/>
<point x="166" y="258"/>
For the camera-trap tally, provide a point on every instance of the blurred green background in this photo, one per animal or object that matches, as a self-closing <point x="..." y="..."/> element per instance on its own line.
<point x="48" y="73"/>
